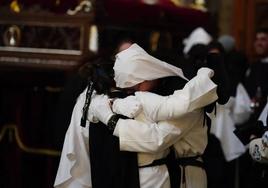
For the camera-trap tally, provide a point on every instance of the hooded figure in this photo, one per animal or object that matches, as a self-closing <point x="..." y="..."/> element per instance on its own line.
<point x="197" y="36"/>
<point x="142" y="134"/>
<point x="166" y="124"/>
<point x="134" y="65"/>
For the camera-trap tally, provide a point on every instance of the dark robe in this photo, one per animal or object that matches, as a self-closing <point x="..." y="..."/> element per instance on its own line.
<point x="236" y="66"/>
<point x="111" y="167"/>
<point x="258" y="76"/>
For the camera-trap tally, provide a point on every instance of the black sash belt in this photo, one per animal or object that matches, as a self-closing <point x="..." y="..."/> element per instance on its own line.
<point x="157" y="162"/>
<point x="189" y="161"/>
<point x="173" y="169"/>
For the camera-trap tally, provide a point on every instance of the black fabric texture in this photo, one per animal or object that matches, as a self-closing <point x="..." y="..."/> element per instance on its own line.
<point x="216" y="63"/>
<point x="111" y="167"/>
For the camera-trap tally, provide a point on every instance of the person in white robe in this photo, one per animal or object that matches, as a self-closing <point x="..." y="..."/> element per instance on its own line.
<point x="187" y="134"/>
<point x="74" y="168"/>
<point x="234" y="113"/>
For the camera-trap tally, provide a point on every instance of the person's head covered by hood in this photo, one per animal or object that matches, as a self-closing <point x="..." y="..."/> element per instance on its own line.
<point x="202" y="51"/>
<point x="195" y="51"/>
<point x="197" y="37"/>
<point x="134" y="66"/>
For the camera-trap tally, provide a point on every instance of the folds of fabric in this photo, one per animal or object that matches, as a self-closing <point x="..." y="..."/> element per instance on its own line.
<point x="74" y="168"/>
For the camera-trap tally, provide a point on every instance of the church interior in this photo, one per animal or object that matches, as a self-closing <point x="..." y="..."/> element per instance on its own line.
<point x="43" y="43"/>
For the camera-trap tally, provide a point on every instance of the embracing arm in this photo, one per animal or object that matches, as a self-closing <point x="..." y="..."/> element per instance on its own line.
<point x="147" y="137"/>
<point x="141" y="135"/>
<point x="197" y="93"/>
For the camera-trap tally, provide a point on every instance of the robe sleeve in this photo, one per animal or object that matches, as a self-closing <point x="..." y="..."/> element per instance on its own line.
<point x="197" y="93"/>
<point x="138" y="136"/>
<point x="164" y="126"/>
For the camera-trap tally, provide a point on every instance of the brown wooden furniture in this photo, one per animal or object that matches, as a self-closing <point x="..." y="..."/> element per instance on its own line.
<point x="46" y="41"/>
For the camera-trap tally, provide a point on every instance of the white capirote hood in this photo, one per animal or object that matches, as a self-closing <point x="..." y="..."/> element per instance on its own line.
<point x="134" y="65"/>
<point x="197" y="36"/>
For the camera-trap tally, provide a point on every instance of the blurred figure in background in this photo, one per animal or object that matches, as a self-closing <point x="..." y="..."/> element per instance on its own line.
<point x="258" y="150"/>
<point x="257" y="74"/>
<point x="195" y="51"/>
<point x="255" y="82"/>
<point x="202" y="51"/>
<point x="235" y="61"/>
<point x="236" y="112"/>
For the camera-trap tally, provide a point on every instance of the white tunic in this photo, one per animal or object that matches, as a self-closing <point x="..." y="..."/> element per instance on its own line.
<point x="235" y="111"/>
<point x="186" y="131"/>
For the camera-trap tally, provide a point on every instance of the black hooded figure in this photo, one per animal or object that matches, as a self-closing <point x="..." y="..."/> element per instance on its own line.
<point x="201" y="55"/>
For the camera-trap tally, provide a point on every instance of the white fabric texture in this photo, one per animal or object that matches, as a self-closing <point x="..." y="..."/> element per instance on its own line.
<point x="74" y="167"/>
<point x="187" y="133"/>
<point x="241" y="109"/>
<point x="222" y="126"/>
<point x="101" y="109"/>
<point x="155" y="177"/>
<point x="197" y="93"/>
<point x="264" y="114"/>
<point x="129" y="106"/>
<point x="197" y="36"/>
<point x="264" y="139"/>
<point x="235" y="111"/>
<point x="134" y="65"/>
<point x="145" y="136"/>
